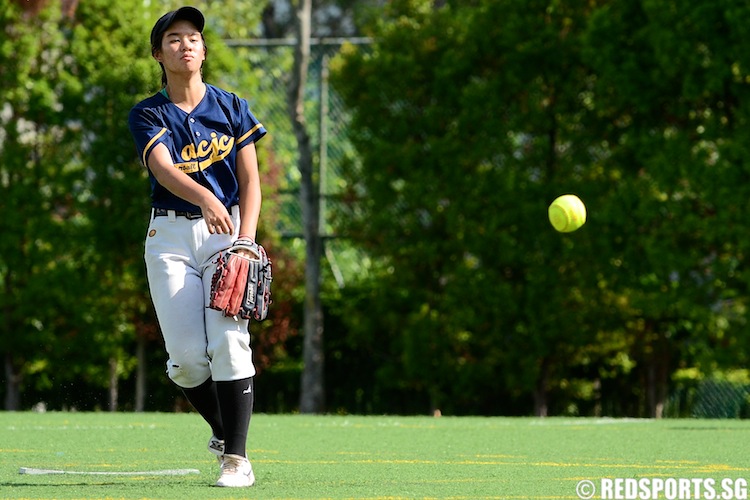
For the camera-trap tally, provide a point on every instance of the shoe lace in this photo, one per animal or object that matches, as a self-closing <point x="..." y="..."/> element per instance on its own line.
<point x="231" y="464"/>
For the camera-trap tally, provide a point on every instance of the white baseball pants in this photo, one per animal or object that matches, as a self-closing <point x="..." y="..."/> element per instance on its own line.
<point x="180" y="257"/>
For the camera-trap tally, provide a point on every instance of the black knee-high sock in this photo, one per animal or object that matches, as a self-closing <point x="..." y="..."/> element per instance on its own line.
<point x="236" y="402"/>
<point x="205" y="400"/>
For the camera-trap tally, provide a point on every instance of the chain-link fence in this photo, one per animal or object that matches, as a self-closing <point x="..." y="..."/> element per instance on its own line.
<point x="327" y="119"/>
<point x="710" y="398"/>
<point x="325" y="114"/>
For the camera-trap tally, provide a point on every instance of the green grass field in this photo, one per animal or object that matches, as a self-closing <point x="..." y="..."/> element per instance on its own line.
<point x="296" y="456"/>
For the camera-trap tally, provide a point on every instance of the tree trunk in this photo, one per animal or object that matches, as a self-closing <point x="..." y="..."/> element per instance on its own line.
<point x="312" y="394"/>
<point x="113" y="384"/>
<point x="658" y="379"/>
<point x="140" y="374"/>
<point x="598" y="397"/>
<point x="540" y="391"/>
<point x="12" y="385"/>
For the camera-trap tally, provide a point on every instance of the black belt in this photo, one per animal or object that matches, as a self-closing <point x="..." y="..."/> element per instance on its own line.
<point x="163" y="212"/>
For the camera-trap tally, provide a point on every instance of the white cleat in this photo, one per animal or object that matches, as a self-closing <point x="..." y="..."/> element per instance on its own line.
<point x="236" y="472"/>
<point x="216" y="446"/>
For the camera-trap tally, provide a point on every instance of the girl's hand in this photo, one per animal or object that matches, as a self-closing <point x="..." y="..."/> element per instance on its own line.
<point x="217" y="217"/>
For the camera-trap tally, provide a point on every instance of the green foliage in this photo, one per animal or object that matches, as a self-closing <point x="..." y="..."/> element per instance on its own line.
<point x="471" y="119"/>
<point x="40" y="171"/>
<point x="468" y="119"/>
<point x="75" y="296"/>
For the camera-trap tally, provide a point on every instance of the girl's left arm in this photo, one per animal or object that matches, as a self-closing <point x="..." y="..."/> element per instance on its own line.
<point x="249" y="187"/>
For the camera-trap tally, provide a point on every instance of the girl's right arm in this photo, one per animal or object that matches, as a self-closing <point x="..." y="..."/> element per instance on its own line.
<point x="180" y="184"/>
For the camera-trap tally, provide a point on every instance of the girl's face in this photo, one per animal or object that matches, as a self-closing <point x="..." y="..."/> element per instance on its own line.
<point x="182" y="48"/>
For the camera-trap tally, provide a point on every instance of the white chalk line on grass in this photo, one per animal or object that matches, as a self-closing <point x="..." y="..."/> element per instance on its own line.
<point x="589" y="421"/>
<point x="167" y="472"/>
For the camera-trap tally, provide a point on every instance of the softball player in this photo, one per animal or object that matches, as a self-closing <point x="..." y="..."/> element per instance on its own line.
<point x="198" y="144"/>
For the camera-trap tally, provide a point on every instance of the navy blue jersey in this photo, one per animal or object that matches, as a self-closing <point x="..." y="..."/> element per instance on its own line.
<point x="203" y="143"/>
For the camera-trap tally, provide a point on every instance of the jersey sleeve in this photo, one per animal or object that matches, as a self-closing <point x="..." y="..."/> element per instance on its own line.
<point x="147" y="132"/>
<point x="249" y="130"/>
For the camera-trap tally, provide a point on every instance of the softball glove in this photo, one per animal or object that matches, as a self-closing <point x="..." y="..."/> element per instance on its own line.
<point x="241" y="284"/>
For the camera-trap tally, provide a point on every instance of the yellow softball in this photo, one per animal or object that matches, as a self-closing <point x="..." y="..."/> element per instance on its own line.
<point x="567" y="213"/>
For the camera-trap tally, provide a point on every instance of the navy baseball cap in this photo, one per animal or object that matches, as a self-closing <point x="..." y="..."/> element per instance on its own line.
<point x="182" y="14"/>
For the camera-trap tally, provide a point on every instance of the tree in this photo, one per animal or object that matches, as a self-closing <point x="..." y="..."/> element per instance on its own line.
<point x="102" y="326"/>
<point x="40" y="174"/>
<point x="673" y="137"/>
<point x="469" y="121"/>
<point x="312" y="395"/>
<point x="78" y="190"/>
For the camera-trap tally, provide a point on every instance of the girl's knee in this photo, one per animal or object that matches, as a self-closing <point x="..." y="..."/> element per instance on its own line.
<point x="188" y="374"/>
